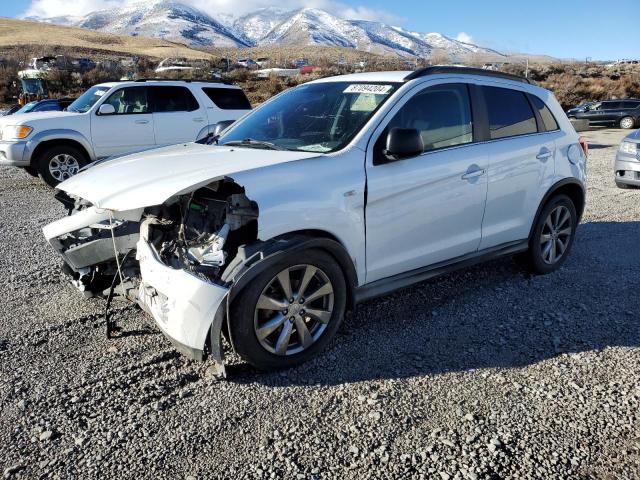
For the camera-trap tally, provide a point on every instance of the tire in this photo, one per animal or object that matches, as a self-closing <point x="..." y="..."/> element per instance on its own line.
<point x="248" y="322"/>
<point x="538" y="258"/>
<point x="31" y="171"/>
<point x="58" y="163"/>
<point x="627" y="123"/>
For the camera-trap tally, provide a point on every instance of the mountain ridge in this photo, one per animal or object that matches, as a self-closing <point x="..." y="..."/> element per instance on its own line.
<point x="178" y="22"/>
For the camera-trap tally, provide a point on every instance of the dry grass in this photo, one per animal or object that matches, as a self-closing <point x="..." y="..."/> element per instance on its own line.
<point x="34" y="35"/>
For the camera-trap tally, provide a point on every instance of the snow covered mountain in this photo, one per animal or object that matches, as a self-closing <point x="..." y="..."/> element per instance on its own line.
<point x="175" y="21"/>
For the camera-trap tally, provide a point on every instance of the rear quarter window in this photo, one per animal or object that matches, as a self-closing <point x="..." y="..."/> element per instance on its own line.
<point x="548" y="120"/>
<point x="228" y="98"/>
<point x="510" y="113"/>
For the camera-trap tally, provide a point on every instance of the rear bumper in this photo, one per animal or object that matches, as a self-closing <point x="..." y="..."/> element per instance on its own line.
<point x="627" y="169"/>
<point x="13" y="154"/>
<point x="182" y="305"/>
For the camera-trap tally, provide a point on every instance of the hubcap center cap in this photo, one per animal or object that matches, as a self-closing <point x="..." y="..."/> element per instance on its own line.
<point x="295" y="308"/>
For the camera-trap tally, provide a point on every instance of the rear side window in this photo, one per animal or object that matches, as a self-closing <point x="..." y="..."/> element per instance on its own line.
<point x="228" y="98"/>
<point x="630" y="105"/>
<point x="510" y="113"/>
<point x="173" y="99"/>
<point x="548" y="120"/>
<point x="611" y="105"/>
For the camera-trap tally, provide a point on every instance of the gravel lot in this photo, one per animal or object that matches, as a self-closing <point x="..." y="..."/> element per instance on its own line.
<point x="485" y="373"/>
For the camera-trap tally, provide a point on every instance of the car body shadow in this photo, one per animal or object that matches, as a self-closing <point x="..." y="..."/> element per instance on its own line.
<point x="488" y="316"/>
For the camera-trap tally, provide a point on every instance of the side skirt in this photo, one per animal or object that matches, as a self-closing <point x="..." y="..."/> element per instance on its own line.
<point x="402" y="280"/>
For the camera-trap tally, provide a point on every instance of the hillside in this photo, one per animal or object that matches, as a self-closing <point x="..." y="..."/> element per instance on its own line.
<point x="33" y="35"/>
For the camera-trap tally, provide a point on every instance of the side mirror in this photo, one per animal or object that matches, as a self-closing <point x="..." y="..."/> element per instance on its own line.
<point x="403" y="143"/>
<point x="106" y="109"/>
<point x="221" y="127"/>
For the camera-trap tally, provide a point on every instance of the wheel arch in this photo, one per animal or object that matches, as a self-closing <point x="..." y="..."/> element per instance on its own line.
<point x="54" y="142"/>
<point x="253" y="259"/>
<point x="570" y="187"/>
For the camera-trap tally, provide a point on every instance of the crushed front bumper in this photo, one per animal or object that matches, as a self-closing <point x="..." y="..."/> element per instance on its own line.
<point x="187" y="309"/>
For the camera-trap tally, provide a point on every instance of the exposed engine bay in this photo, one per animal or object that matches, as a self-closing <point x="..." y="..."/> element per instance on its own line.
<point x="200" y="232"/>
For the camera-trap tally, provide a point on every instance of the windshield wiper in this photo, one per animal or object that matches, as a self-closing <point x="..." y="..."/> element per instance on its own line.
<point x="249" y="142"/>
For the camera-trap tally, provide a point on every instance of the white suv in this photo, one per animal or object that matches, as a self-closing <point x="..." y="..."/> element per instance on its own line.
<point x="328" y="194"/>
<point x="114" y="119"/>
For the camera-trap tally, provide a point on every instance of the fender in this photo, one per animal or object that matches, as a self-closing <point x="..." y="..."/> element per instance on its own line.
<point x="57" y="134"/>
<point x="552" y="190"/>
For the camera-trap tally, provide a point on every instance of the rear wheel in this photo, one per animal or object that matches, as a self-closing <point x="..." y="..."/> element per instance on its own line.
<point x="57" y="164"/>
<point x="627" y="123"/>
<point x="31" y="171"/>
<point x="289" y="312"/>
<point x="552" y="236"/>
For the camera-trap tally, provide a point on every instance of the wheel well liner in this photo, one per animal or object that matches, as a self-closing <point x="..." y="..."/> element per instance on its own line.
<point x="43" y="146"/>
<point x="569" y="187"/>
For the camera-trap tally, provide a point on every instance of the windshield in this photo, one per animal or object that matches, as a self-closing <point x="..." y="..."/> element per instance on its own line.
<point x="317" y="117"/>
<point x="27" y="108"/>
<point x="87" y="100"/>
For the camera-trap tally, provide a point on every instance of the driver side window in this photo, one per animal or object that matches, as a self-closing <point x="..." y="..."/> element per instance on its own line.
<point x="130" y="100"/>
<point x="441" y="114"/>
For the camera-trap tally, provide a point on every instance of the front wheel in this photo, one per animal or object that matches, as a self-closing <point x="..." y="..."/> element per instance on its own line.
<point x="627" y="123"/>
<point x="57" y="164"/>
<point x="552" y="236"/>
<point x="289" y="312"/>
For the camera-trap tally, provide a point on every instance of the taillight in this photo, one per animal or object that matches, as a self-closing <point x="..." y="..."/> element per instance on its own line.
<point x="585" y="146"/>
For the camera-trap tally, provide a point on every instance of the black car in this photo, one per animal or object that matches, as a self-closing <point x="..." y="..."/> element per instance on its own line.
<point x="47" y="105"/>
<point x="624" y="113"/>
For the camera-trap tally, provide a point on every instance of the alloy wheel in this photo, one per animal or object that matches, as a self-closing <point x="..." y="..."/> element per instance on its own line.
<point x="293" y="310"/>
<point x="626" y="123"/>
<point x="63" y="166"/>
<point x="556" y="234"/>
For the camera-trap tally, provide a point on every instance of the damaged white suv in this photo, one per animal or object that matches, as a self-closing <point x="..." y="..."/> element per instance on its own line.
<point x="332" y="192"/>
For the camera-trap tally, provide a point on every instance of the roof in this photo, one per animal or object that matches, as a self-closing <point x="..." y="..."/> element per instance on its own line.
<point x="406" y="76"/>
<point x="161" y="81"/>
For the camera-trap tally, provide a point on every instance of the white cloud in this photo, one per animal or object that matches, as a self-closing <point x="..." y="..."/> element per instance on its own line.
<point x="55" y="8"/>
<point x="464" y="37"/>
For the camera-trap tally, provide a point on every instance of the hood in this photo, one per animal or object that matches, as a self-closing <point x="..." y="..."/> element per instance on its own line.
<point x="26" y="118"/>
<point x="151" y="177"/>
<point x="634" y="136"/>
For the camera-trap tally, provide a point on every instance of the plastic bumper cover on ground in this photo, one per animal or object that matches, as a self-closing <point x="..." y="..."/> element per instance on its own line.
<point x="186" y="308"/>
<point x="12" y="154"/>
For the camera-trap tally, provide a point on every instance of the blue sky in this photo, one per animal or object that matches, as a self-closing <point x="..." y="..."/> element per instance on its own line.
<point x="561" y="28"/>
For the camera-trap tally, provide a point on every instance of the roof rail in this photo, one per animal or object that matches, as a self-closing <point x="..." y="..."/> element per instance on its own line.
<point x="187" y="80"/>
<point x="426" y="71"/>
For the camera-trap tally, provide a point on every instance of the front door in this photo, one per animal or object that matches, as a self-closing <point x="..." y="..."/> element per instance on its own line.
<point x="129" y="129"/>
<point x="428" y="208"/>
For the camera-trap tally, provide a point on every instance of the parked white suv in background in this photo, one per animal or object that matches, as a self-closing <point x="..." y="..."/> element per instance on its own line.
<point x="117" y="118"/>
<point x="330" y="193"/>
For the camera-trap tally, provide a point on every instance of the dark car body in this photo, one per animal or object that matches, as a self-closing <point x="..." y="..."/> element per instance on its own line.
<point x="612" y="112"/>
<point x="47" y="105"/>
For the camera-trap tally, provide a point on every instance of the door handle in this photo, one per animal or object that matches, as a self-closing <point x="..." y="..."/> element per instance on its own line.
<point x="544" y="154"/>
<point x="142" y="122"/>
<point x="474" y="174"/>
<point x="198" y="119"/>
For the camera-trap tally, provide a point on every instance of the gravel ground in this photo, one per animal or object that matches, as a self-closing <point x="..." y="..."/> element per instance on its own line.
<point x="484" y="373"/>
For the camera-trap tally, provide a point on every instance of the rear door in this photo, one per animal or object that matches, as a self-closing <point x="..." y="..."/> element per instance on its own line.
<point x="177" y="115"/>
<point x="521" y="163"/>
<point x="129" y="129"/>
<point x="428" y="208"/>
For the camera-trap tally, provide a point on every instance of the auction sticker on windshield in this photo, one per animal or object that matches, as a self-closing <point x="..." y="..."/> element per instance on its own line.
<point x="367" y="88"/>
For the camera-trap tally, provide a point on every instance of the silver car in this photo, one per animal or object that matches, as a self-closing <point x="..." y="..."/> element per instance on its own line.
<point x="627" y="165"/>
